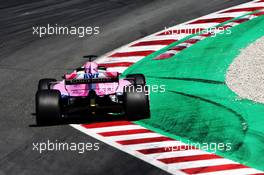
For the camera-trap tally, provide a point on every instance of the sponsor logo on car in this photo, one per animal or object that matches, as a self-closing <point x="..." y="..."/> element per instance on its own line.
<point x="91" y="75"/>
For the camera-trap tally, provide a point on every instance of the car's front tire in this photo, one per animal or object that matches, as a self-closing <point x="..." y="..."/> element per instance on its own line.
<point x="48" y="107"/>
<point x="136" y="102"/>
<point x="44" y="84"/>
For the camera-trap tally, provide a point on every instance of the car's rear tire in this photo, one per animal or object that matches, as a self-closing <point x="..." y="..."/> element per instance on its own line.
<point x="136" y="102"/>
<point x="48" y="107"/>
<point x="138" y="79"/>
<point x="45" y="83"/>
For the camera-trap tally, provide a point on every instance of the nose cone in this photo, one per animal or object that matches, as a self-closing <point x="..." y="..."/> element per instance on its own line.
<point x="91" y="67"/>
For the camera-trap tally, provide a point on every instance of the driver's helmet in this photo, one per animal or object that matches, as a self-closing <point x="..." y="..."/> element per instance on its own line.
<point x="91" y="67"/>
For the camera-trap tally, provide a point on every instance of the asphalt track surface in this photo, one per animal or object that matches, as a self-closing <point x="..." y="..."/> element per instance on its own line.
<point x="25" y="58"/>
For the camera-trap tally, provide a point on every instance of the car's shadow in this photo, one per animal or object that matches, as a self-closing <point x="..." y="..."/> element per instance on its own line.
<point x="79" y="119"/>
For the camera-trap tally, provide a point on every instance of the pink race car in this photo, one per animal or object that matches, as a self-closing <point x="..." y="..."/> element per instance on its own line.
<point x="92" y="90"/>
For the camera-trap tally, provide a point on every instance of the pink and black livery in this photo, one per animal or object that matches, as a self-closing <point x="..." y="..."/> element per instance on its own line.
<point x="91" y="90"/>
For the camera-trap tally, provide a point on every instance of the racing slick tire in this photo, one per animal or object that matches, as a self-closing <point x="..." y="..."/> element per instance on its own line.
<point x="136" y="102"/>
<point x="44" y="83"/>
<point x="48" y="107"/>
<point x="139" y="79"/>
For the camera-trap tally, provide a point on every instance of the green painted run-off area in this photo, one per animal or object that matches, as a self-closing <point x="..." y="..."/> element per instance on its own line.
<point x="198" y="106"/>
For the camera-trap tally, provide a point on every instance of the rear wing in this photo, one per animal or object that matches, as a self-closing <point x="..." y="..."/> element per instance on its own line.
<point x="91" y="80"/>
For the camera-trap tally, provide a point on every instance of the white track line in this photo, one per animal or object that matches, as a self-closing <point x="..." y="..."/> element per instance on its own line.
<point x="125" y="59"/>
<point x="117" y="69"/>
<point x="134" y="136"/>
<point x="177" y="154"/>
<point x="242" y="171"/>
<point x="201" y="163"/>
<point x="114" y="128"/>
<point x="156" y="145"/>
<point x="143" y="48"/>
<point x="131" y="152"/>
